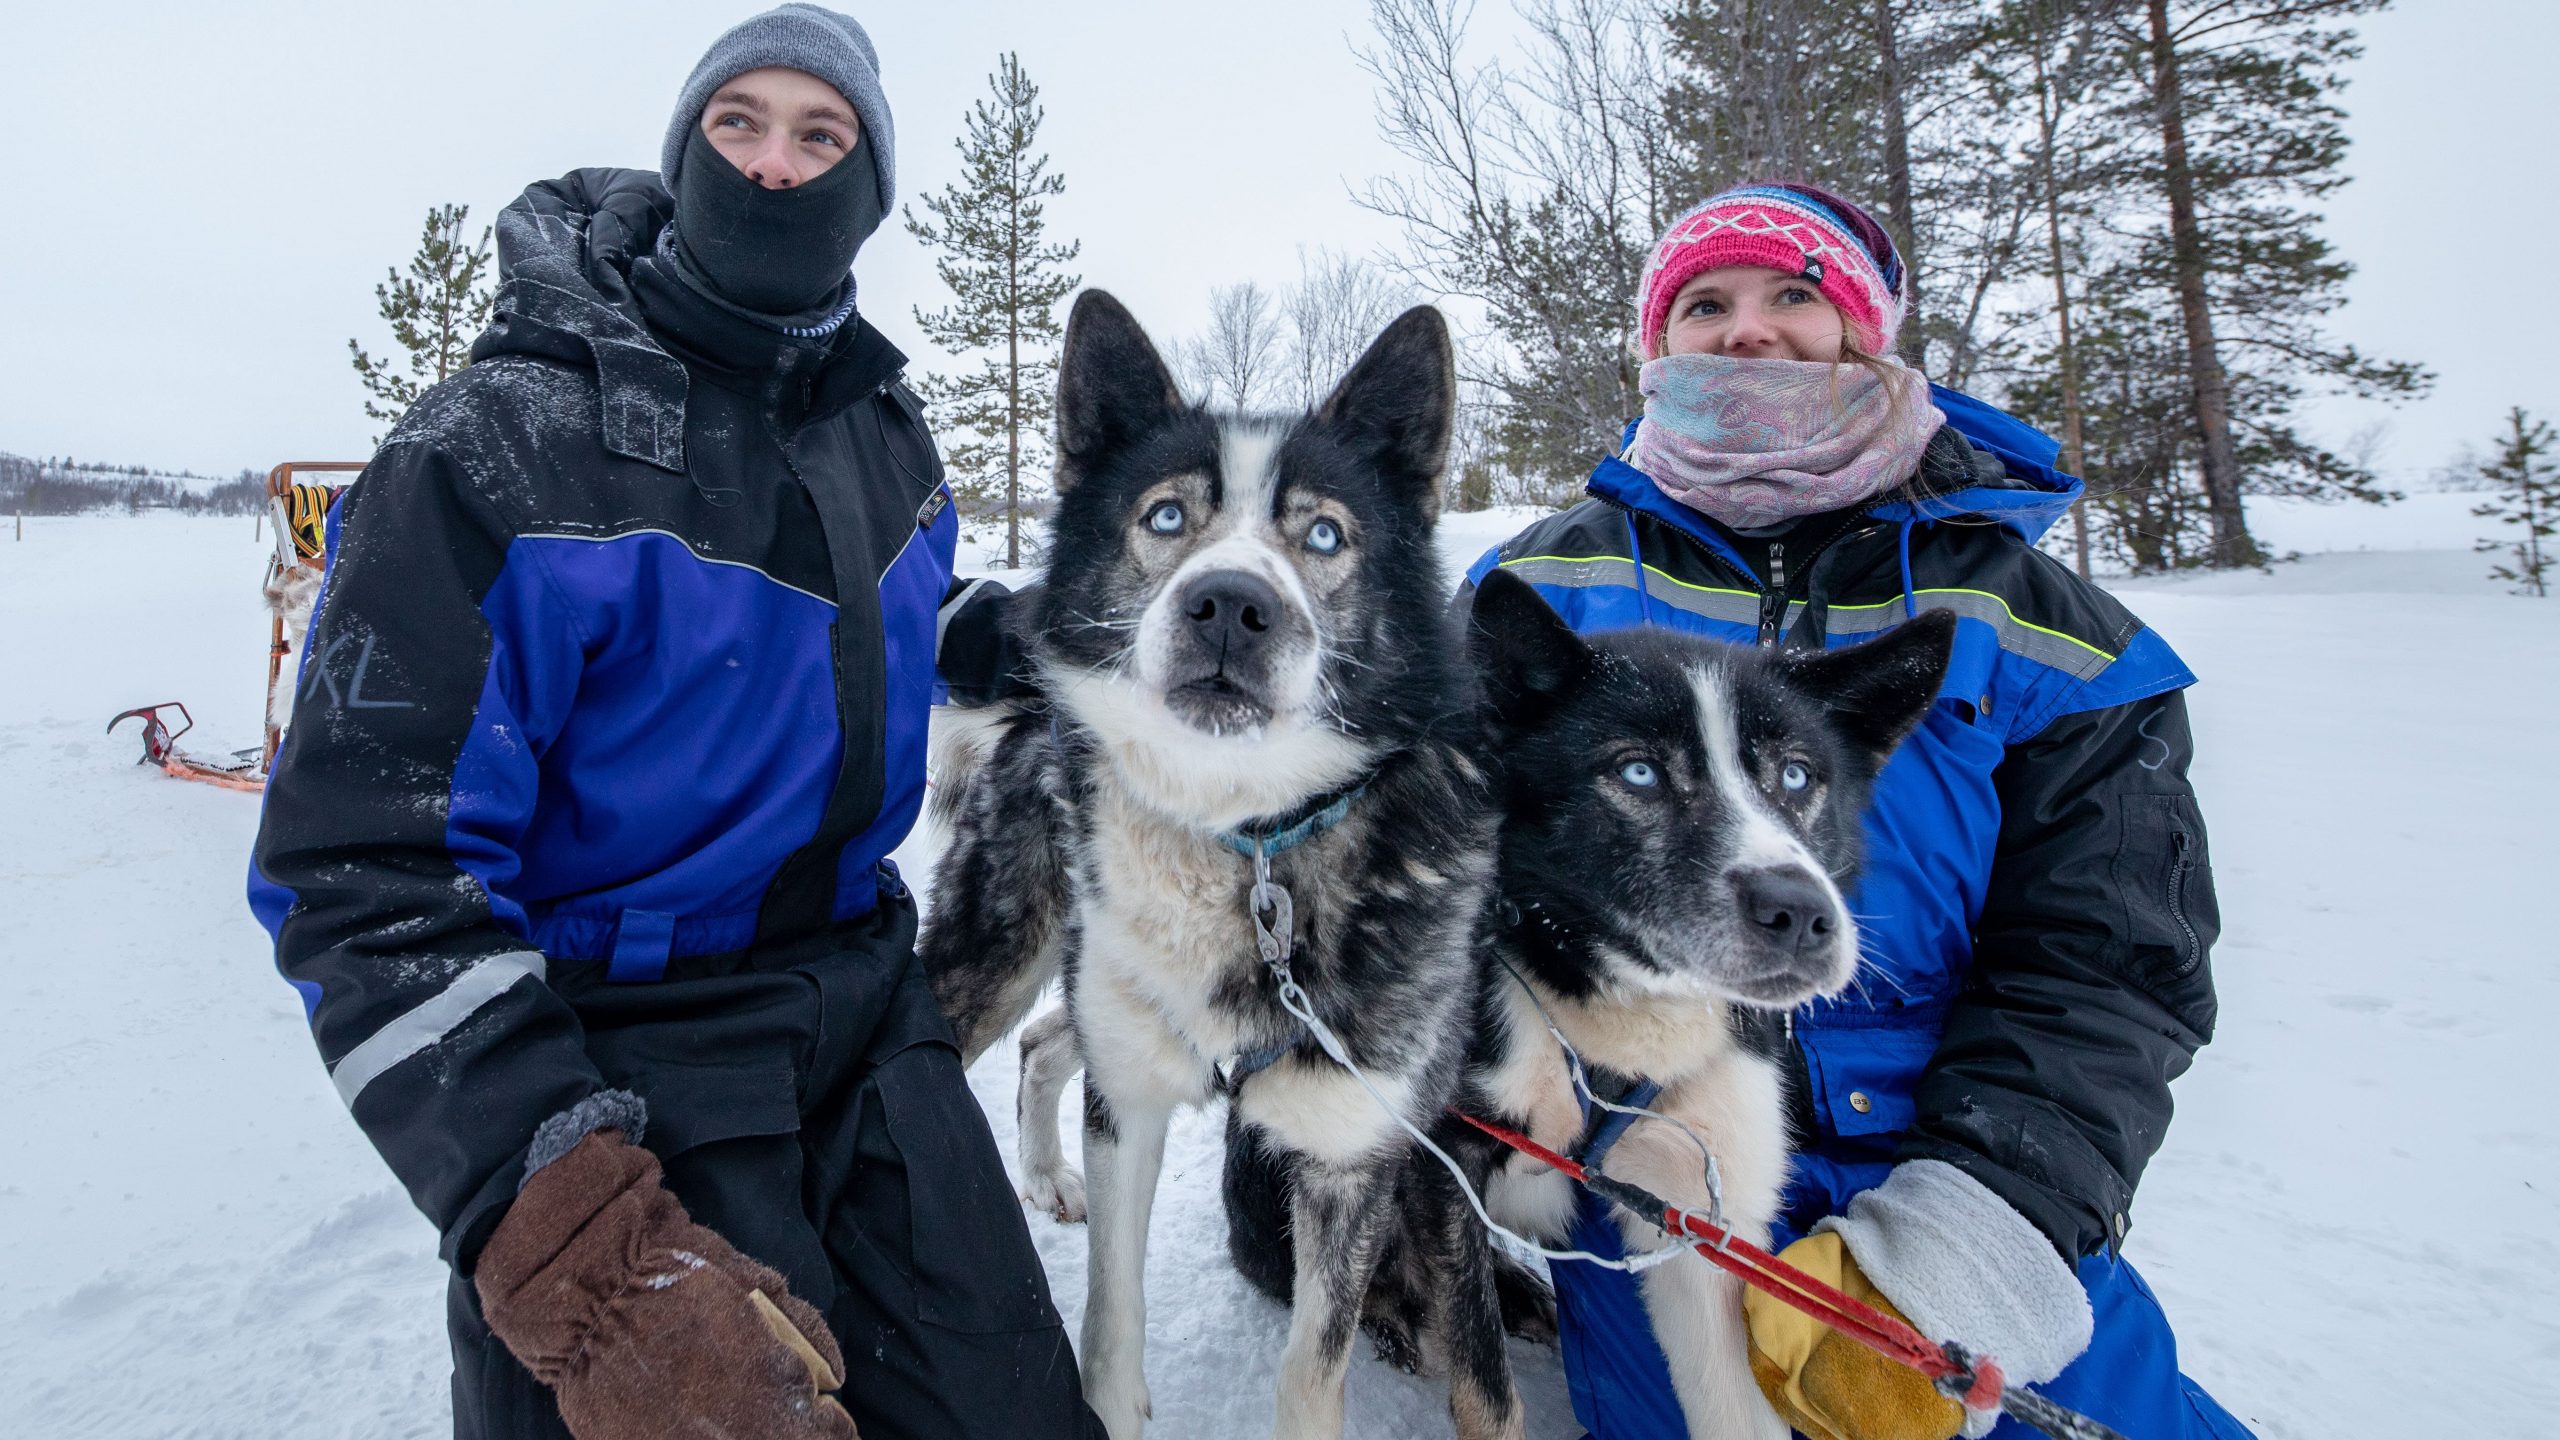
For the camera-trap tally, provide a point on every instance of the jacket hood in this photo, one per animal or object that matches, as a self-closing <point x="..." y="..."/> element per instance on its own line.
<point x="2009" y="474"/>
<point x="565" y="249"/>
<point x="2025" y="489"/>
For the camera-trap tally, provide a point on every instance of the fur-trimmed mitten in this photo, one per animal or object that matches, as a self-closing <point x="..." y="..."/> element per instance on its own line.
<point x="645" y="1324"/>
<point x="1932" y="1245"/>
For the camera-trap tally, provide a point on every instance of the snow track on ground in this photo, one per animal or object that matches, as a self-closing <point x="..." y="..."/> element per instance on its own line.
<point x="2352" y="1223"/>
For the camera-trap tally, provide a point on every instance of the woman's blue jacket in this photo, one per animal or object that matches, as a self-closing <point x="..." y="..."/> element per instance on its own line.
<point x="2037" y="905"/>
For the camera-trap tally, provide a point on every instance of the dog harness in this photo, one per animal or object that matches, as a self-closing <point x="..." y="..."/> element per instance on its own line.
<point x="1603" y="1129"/>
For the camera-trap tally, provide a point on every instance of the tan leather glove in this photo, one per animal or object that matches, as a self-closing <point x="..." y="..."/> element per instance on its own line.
<point x="645" y="1324"/>
<point x="1827" y="1385"/>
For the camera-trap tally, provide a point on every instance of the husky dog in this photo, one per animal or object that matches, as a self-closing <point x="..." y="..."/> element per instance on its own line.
<point x="1679" y="820"/>
<point x="1249" y="668"/>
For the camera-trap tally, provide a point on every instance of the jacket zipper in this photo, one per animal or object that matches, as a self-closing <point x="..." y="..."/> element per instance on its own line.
<point x="1773" y="596"/>
<point x="2178" y="901"/>
<point x="1773" y="601"/>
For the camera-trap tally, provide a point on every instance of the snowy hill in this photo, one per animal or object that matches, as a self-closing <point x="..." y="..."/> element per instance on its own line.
<point x="2358" y="1200"/>
<point x="78" y="487"/>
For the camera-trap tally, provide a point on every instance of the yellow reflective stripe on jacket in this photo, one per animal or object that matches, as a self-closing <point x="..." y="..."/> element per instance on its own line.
<point x="2069" y="654"/>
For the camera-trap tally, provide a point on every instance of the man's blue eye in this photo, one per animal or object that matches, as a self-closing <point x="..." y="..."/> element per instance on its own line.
<point x="1165" y="519"/>
<point x="1640" y="773"/>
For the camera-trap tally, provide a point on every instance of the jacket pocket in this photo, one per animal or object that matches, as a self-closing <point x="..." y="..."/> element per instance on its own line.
<point x="968" y="1250"/>
<point x="691" y="1106"/>
<point x="729" y="1137"/>
<point x="906" y="436"/>
<point x="1863" y="1076"/>
<point x="2163" y="877"/>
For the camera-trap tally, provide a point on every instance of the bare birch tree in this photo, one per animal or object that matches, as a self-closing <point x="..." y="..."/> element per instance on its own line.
<point x="1536" y="189"/>
<point x="1238" y="360"/>
<point x="1338" y="305"/>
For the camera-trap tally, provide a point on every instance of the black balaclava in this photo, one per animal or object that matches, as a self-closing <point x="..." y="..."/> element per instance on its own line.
<point x="774" y="252"/>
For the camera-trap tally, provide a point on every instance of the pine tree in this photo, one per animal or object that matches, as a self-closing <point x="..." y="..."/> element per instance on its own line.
<point x="2055" y="87"/>
<point x="2241" y="95"/>
<point x="2137" y="432"/>
<point x="2259" y="137"/>
<point x="435" y="312"/>
<point x="2049" y="115"/>
<point x="2528" y="484"/>
<point x="1780" y="89"/>
<point x="1005" y="284"/>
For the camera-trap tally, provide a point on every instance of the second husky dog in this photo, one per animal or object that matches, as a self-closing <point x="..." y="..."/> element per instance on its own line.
<point x="1680" y="819"/>
<point x="1251" y="751"/>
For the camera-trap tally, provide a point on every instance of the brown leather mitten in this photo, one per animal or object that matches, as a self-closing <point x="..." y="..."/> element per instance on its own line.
<point x="644" y="1323"/>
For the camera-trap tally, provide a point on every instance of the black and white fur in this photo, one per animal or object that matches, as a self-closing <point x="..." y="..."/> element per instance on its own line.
<point x="1680" y="819"/>
<point x="1241" y="616"/>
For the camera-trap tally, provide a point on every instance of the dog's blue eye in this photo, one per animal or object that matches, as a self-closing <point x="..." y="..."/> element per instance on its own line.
<point x="1165" y="519"/>
<point x="1324" y="537"/>
<point x="1640" y="773"/>
<point x="1795" y="776"/>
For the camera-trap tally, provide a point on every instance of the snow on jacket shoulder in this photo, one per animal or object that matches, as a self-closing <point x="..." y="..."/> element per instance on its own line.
<point x="609" y="665"/>
<point x="2037" y="901"/>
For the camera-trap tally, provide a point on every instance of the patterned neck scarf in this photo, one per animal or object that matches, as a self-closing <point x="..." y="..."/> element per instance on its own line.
<point x="1759" y="442"/>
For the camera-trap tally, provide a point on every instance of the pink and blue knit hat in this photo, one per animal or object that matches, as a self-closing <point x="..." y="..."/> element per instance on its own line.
<point x="1800" y="229"/>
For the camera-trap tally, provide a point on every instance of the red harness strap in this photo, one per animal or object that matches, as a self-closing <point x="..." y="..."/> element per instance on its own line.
<point x="1974" y="1380"/>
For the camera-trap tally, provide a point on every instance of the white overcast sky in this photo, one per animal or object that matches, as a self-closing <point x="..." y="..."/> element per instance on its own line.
<point x="200" y="197"/>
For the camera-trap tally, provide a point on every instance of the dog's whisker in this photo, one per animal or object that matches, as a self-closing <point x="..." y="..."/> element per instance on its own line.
<point x="1871" y="964"/>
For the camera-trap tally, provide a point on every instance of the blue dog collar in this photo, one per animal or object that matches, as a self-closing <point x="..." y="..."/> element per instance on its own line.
<point x="1248" y="843"/>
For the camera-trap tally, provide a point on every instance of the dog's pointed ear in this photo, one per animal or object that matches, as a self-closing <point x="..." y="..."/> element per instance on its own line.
<point x="1399" y="402"/>
<point x="1113" y="388"/>
<point x="1526" y="653"/>
<point x="1881" y="690"/>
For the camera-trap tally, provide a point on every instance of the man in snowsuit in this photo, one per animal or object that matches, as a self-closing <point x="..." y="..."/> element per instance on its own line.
<point x="612" y="710"/>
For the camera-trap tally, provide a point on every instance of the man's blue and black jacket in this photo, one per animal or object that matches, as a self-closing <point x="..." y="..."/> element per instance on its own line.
<point x="624" y="652"/>
<point x="2037" y="905"/>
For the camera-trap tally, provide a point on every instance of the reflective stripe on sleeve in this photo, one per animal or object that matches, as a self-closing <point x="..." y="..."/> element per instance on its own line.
<point x="432" y="1021"/>
<point x="2069" y="654"/>
<point x="1582" y="572"/>
<point x="951" y="607"/>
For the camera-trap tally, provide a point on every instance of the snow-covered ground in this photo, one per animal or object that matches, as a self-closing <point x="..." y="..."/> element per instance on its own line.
<point x="2352" y="1222"/>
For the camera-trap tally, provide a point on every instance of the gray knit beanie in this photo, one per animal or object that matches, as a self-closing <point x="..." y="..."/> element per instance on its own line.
<point x="820" y="42"/>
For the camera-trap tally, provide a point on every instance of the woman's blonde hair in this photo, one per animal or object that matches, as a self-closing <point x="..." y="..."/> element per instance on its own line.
<point x="1897" y="378"/>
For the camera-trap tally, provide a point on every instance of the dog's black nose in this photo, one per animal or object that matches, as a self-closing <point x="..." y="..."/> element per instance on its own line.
<point x="1788" y="906"/>
<point x="1230" y="610"/>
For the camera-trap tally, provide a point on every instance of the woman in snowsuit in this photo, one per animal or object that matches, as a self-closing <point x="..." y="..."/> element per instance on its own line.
<point x="2037" y="905"/>
<point x="612" y="711"/>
